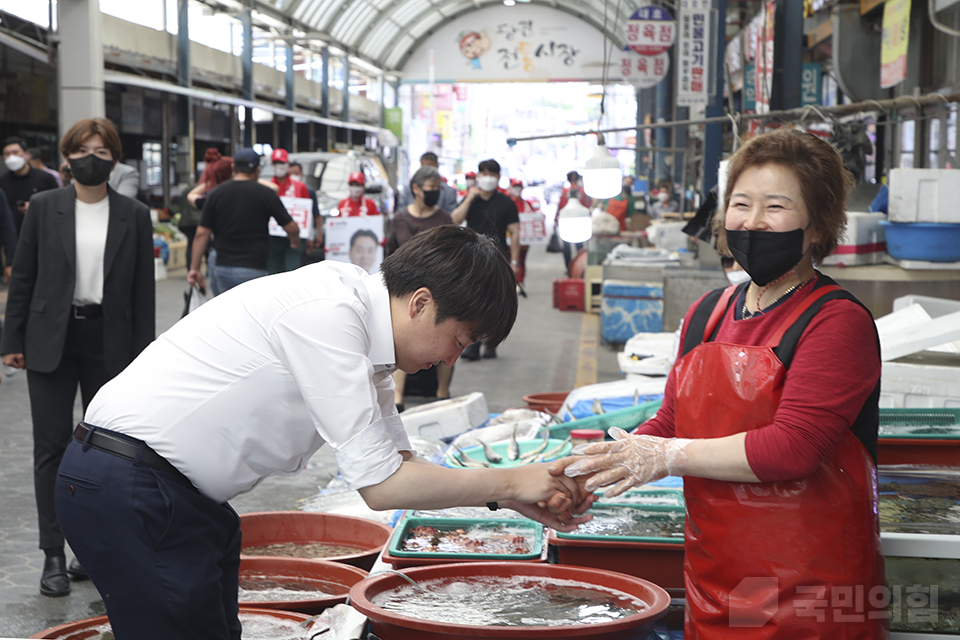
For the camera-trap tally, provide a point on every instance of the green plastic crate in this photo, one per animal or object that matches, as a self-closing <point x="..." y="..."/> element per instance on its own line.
<point x="589" y="531"/>
<point x="659" y="499"/>
<point x="530" y="529"/>
<point x="920" y="423"/>
<point x="627" y="419"/>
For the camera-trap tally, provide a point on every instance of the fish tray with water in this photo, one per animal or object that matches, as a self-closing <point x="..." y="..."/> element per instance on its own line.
<point x="500" y="539"/>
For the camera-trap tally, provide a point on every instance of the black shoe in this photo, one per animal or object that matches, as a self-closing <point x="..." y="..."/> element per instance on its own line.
<point x="472" y="352"/>
<point x="489" y="353"/>
<point x="54" y="582"/>
<point x="400" y="408"/>
<point x="76" y="571"/>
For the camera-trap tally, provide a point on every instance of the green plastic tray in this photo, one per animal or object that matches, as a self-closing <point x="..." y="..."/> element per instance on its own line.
<point x="529" y="528"/>
<point x="627" y="419"/>
<point x="920" y="424"/>
<point x="651" y="516"/>
<point x="659" y="499"/>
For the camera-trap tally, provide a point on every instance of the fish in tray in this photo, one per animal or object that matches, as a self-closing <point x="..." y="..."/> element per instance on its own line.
<point x="520" y="415"/>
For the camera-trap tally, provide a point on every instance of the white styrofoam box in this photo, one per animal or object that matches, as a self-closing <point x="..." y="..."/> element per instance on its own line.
<point x="863" y="242"/>
<point x="935" y="307"/>
<point x="924" y="195"/>
<point x="668" y="236"/>
<point x="908" y="384"/>
<point x="446" y="418"/>
<point x="649" y="353"/>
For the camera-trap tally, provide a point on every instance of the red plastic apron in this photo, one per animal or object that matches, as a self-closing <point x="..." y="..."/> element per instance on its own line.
<point x="791" y="560"/>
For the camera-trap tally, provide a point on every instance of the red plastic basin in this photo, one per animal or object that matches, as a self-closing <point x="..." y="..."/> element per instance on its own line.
<point x="339" y="576"/>
<point x="82" y="629"/>
<point x="275" y="527"/>
<point x="393" y="626"/>
<point x="551" y="400"/>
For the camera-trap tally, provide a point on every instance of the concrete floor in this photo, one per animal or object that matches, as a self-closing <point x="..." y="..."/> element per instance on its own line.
<point x="549" y="350"/>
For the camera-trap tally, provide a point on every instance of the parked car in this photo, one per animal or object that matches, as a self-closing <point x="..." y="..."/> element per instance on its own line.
<point x="327" y="173"/>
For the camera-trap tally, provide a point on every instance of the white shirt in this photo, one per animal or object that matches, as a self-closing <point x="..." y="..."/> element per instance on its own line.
<point x="256" y="380"/>
<point x="91" y="242"/>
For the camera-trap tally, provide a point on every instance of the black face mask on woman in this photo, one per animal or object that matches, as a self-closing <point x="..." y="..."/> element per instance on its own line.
<point x="90" y="170"/>
<point x="431" y="198"/>
<point x="766" y="255"/>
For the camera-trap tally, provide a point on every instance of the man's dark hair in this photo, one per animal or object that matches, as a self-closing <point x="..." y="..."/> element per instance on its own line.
<point x="490" y="166"/>
<point x="572" y="176"/>
<point x="469" y="277"/>
<point x="294" y="163"/>
<point x="363" y="233"/>
<point x="35" y="153"/>
<point x="430" y="156"/>
<point x="15" y="140"/>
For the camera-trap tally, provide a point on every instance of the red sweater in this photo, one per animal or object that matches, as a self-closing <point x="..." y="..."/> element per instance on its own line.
<point x="835" y="367"/>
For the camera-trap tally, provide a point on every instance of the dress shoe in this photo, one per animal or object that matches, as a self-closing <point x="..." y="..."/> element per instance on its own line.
<point x="54" y="582"/>
<point x="472" y="352"/>
<point x="489" y="353"/>
<point x="76" y="571"/>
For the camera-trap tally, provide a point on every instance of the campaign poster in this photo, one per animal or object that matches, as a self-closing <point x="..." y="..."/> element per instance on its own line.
<point x="301" y="210"/>
<point x="355" y="239"/>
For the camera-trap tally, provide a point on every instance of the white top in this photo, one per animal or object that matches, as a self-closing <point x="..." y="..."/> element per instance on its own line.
<point x="256" y="380"/>
<point x="91" y="241"/>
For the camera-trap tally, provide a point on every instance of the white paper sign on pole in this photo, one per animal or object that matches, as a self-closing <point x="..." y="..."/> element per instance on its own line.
<point x="693" y="67"/>
<point x="355" y="239"/>
<point x="643" y="72"/>
<point x="533" y="229"/>
<point x="301" y="210"/>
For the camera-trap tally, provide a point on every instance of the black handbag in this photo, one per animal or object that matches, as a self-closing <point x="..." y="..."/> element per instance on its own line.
<point x="554" y="245"/>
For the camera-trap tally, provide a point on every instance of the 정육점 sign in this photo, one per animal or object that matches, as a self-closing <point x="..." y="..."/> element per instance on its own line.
<point x="643" y="72"/>
<point x="651" y="30"/>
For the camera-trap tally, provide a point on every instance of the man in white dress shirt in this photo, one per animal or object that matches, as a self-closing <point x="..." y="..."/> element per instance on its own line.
<point x="253" y="383"/>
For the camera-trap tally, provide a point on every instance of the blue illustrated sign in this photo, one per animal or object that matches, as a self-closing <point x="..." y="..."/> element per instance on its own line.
<point x="810" y="83"/>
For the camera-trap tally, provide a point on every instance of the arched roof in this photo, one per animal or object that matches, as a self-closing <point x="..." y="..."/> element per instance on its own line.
<point x="386" y="32"/>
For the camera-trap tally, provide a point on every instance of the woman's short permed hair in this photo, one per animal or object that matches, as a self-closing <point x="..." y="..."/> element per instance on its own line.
<point x="470" y="279"/>
<point x="824" y="183"/>
<point x="83" y="129"/>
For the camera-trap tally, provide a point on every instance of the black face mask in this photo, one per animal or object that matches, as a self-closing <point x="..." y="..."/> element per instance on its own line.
<point x="431" y="198"/>
<point x="90" y="170"/>
<point x="766" y="255"/>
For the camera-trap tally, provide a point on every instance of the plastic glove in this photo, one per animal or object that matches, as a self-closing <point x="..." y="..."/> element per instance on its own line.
<point x="629" y="461"/>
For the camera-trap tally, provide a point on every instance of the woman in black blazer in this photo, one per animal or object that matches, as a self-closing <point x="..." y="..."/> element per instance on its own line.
<point x="80" y="307"/>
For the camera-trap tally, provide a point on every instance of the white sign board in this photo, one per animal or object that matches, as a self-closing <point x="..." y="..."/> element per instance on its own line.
<point x="301" y="210"/>
<point x="355" y="239"/>
<point x="650" y="30"/>
<point x="643" y="72"/>
<point x="693" y="68"/>
<point x="522" y="43"/>
<point x="533" y="229"/>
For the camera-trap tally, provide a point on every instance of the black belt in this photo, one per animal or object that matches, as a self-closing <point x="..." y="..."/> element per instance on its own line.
<point x="129" y="448"/>
<point x="87" y="311"/>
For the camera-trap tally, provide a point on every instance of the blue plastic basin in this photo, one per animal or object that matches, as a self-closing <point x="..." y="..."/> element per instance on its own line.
<point x="928" y="241"/>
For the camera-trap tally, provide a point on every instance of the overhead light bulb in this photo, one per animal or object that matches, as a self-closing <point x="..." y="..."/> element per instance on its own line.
<point x="602" y="176"/>
<point x="575" y="224"/>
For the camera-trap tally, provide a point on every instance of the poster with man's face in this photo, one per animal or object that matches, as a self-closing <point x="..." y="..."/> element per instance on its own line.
<point x="355" y="239"/>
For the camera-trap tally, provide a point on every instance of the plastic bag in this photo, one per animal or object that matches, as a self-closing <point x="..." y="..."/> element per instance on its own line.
<point x="193" y="297"/>
<point x="554" y="245"/>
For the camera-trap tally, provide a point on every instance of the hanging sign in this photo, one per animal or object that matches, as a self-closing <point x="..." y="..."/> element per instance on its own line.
<point x="692" y="59"/>
<point x="765" y="54"/>
<point x="650" y="30"/>
<point x="643" y="72"/>
<point x="750" y="88"/>
<point x="893" y="42"/>
<point x="810" y="83"/>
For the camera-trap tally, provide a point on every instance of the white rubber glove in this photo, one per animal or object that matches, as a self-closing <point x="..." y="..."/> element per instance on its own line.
<point x="629" y="461"/>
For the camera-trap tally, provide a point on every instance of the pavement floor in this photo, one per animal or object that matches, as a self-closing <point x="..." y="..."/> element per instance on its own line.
<point x="548" y="350"/>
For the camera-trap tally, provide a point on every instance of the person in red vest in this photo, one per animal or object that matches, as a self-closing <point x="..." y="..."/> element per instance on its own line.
<point x="356" y="204"/>
<point x="470" y="178"/>
<point x="282" y="257"/>
<point x="515" y="191"/>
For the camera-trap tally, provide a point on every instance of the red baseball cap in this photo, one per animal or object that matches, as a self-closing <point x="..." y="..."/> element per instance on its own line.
<point x="357" y="177"/>
<point x="470" y="174"/>
<point x="279" y="155"/>
<point x="516" y="182"/>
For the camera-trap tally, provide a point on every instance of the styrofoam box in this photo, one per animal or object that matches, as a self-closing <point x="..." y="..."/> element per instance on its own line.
<point x="924" y="195"/>
<point x="906" y="385"/>
<point x="863" y="241"/>
<point x="446" y="418"/>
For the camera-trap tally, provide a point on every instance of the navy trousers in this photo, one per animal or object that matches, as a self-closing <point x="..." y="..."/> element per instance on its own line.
<point x="164" y="558"/>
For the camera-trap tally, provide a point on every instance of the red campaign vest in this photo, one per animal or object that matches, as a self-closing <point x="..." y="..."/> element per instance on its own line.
<point x="795" y="559"/>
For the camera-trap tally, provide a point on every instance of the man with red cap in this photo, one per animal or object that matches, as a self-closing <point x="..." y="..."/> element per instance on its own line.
<point x="515" y="191"/>
<point x="356" y="204"/>
<point x="282" y="256"/>
<point x="470" y="178"/>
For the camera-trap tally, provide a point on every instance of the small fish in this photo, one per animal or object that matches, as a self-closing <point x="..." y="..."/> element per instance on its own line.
<point x="491" y="455"/>
<point x="467" y="461"/>
<point x="553" y="453"/>
<point x="597" y="407"/>
<point x="636" y="397"/>
<point x="533" y="453"/>
<point x="513" y="449"/>
<point x="554" y="416"/>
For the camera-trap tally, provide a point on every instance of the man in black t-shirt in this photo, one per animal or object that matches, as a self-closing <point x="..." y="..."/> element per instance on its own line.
<point x="494" y="214"/>
<point x="237" y="213"/>
<point x="21" y="180"/>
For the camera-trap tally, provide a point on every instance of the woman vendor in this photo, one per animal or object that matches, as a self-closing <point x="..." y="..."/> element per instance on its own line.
<point x="770" y="415"/>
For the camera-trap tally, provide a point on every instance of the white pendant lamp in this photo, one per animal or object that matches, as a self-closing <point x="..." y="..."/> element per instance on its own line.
<point x="575" y="224"/>
<point x="602" y="176"/>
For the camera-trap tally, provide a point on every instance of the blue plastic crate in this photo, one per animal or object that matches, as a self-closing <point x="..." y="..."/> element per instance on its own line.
<point x="629" y="308"/>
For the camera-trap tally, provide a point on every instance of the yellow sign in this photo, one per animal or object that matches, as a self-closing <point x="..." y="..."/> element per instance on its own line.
<point x="895" y="39"/>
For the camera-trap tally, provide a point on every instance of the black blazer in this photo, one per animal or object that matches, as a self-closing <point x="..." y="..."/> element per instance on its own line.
<point x="40" y="297"/>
